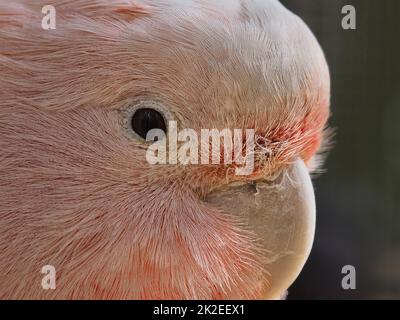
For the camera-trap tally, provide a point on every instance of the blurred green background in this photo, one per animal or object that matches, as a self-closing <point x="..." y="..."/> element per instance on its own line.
<point x="358" y="198"/>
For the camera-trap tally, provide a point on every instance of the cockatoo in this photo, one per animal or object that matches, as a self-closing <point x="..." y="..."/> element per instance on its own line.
<point x="76" y="189"/>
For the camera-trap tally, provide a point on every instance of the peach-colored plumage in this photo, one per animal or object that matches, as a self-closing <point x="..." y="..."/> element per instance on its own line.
<point x="76" y="192"/>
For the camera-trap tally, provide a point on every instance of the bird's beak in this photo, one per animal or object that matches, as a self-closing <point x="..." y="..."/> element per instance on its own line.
<point x="282" y="214"/>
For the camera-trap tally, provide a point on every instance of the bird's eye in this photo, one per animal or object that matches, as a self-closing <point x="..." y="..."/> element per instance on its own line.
<point x="147" y="119"/>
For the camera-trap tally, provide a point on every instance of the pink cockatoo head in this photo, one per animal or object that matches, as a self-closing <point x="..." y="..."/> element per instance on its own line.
<point x="76" y="189"/>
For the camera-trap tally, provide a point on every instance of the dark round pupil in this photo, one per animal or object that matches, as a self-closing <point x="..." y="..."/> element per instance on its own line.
<point x="147" y="119"/>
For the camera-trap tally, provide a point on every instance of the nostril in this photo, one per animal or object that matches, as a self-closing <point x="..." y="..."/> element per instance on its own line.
<point x="253" y="186"/>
